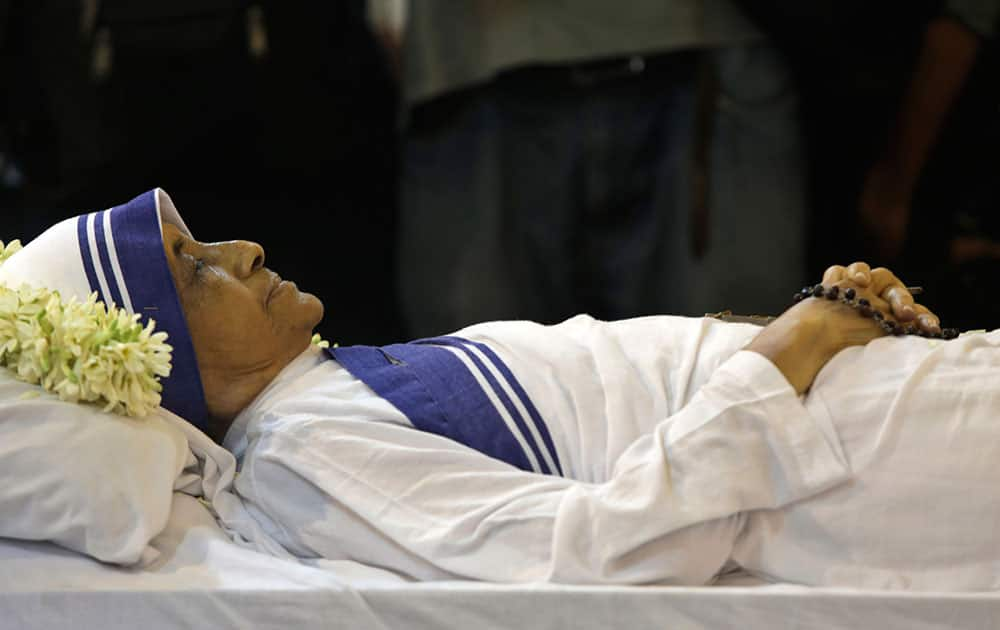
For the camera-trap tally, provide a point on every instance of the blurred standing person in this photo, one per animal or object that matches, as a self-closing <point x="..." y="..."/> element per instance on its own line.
<point x="609" y="158"/>
<point x="955" y="211"/>
<point x="951" y="42"/>
<point x="900" y="119"/>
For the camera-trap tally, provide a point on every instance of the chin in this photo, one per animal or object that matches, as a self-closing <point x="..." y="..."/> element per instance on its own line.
<point x="313" y="310"/>
<point x="308" y="315"/>
<point x="298" y="312"/>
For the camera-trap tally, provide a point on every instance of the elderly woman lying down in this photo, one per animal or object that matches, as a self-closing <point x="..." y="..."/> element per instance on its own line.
<point x="817" y="449"/>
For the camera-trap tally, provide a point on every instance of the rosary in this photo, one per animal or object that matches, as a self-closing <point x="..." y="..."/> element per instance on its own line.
<point x="848" y="296"/>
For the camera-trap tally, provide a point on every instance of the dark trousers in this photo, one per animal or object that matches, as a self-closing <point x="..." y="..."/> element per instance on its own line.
<point x="541" y="195"/>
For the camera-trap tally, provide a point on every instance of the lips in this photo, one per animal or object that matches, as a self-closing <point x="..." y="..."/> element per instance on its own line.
<point x="273" y="286"/>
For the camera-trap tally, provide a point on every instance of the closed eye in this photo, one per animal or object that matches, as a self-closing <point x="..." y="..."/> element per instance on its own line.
<point x="197" y="263"/>
<point x="193" y="265"/>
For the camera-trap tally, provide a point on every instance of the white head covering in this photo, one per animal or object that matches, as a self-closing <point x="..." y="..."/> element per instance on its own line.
<point x="119" y="253"/>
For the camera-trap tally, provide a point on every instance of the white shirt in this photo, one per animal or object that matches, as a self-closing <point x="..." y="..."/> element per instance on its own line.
<point x="668" y="433"/>
<point x="919" y="422"/>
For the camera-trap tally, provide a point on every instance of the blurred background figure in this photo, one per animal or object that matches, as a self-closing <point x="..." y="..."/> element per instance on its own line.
<point x="901" y="119"/>
<point x="278" y="118"/>
<point x="425" y="165"/>
<point x="609" y="158"/>
<point x="943" y="154"/>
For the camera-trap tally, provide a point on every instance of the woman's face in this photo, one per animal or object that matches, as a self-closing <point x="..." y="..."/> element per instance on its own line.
<point x="246" y="323"/>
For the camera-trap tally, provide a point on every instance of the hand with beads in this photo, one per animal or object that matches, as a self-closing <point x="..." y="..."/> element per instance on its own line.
<point x="892" y="305"/>
<point x="853" y="306"/>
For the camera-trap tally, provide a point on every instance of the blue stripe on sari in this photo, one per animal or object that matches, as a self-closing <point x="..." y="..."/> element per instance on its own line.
<point x="86" y="256"/>
<point x="105" y="259"/>
<point x="438" y="393"/>
<point x="519" y="420"/>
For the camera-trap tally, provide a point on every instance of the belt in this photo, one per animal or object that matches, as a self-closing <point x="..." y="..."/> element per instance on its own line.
<point x="590" y="73"/>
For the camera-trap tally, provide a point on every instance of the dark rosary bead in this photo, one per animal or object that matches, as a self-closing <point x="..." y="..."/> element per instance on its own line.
<point x="865" y="308"/>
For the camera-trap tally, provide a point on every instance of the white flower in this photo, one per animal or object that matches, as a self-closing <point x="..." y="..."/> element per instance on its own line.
<point x="8" y="250"/>
<point x="81" y="351"/>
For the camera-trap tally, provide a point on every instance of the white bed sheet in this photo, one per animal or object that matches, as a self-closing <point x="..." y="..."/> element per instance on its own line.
<point x="203" y="580"/>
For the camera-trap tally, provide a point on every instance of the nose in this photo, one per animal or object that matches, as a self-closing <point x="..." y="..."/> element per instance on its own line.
<point x="243" y="257"/>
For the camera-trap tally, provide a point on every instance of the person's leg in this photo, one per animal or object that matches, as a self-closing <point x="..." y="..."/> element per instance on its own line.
<point x="451" y="263"/>
<point x="582" y="167"/>
<point x="636" y="135"/>
<point x="535" y="199"/>
<point x="541" y="191"/>
<point x="754" y="255"/>
<point x="487" y="210"/>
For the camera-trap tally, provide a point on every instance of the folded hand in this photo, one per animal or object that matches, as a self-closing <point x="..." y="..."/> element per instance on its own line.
<point x="805" y="337"/>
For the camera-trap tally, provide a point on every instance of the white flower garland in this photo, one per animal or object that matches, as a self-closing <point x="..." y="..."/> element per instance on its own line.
<point x="84" y="351"/>
<point x="81" y="351"/>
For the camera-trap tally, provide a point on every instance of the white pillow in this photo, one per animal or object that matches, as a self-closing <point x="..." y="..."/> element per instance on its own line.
<point x="90" y="481"/>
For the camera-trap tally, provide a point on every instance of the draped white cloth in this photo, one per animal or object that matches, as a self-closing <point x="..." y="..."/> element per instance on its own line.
<point x="682" y="454"/>
<point x="667" y="434"/>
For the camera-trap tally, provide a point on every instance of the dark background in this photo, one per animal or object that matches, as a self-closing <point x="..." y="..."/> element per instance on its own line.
<point x="297" y="146"/>
<point x="852" y="62"/>
<point x="295" y="149"/>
